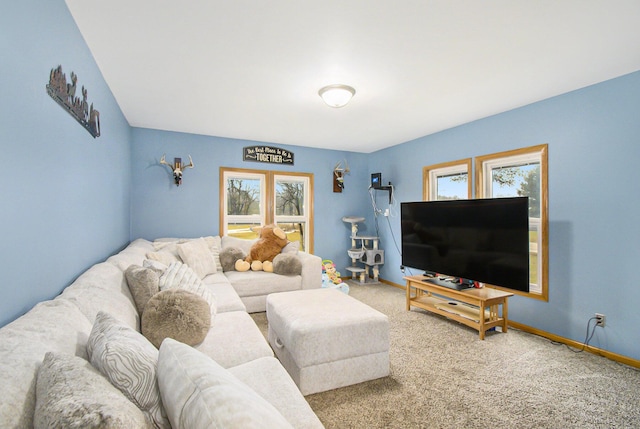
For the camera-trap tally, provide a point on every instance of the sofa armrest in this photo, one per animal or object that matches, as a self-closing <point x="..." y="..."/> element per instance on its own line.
<point x="311" y="270"/>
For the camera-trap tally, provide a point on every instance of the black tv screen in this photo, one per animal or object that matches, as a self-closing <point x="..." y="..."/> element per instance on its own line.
<point x="484" y="240"/>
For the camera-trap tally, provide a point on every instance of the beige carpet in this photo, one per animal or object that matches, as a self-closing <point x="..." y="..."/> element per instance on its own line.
<point x="443" y="376"/>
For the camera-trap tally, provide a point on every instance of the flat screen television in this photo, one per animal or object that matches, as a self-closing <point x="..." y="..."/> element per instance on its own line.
<point x="483" y="240"/>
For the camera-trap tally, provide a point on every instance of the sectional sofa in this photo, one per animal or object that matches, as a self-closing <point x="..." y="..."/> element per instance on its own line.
<point x="234" y="350"/>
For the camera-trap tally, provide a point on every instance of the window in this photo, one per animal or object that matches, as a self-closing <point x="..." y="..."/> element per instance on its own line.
<point x="252" y="198"/>
<point x="522" y="172"/>
<point x="447" y="181"/>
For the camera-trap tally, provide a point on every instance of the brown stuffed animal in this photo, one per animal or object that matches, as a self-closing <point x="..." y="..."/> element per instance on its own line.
<point x="269" y="245"/>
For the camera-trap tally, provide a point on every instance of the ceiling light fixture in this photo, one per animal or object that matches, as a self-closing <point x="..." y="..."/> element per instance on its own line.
<point x="336" y="95"/>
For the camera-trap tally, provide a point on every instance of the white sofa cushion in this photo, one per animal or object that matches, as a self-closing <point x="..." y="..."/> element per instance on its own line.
<point x="56" y="325"/>
<point x="268" y="378"/>
<point x="70" y="393"/>
<point x="240" y="243"/>
<point x="197" y="255"/>
<point x="128" y="360"/>
<point x="199" y="393"/>
<point x="234" y="339"/>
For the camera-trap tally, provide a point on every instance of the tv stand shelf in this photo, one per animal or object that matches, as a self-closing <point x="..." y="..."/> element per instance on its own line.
<point x="464" y="306"/>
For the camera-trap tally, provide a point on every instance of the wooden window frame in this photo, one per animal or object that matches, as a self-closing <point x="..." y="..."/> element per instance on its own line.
<point x="269" y="198"/>
<point x="427" y="173"/>
<point x="543" y="251"/>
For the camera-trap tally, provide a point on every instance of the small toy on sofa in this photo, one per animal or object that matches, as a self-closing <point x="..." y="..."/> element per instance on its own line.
<point x="331" y="277"/>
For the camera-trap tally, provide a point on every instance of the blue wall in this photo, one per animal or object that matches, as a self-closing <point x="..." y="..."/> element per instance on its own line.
<point x="594" y="147"/>
<point x="160" y="208"/>
<point x="65" y="195"/>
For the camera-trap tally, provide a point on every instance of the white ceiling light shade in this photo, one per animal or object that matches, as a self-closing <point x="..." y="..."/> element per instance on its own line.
<point x="336" y="95"/>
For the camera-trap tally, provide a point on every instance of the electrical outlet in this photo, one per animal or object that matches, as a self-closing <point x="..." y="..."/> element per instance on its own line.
<point x="402" y="268"/>
<point x="601" y="320"/>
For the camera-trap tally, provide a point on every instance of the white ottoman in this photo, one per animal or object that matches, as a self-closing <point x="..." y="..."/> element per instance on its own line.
<point x="326" y="339"/>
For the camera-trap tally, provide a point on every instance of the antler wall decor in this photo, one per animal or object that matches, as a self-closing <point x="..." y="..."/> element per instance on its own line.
<point x="177" y="168"/>
<point x="338" y="175"/>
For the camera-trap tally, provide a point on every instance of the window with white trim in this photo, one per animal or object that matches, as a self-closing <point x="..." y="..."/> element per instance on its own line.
<point x="252" y="198"/>
<point x="522" y="172"/>
<point x="447" y="181"/>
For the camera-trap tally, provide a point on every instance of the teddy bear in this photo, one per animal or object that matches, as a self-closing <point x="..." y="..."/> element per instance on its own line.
<point x="269" y="245"/>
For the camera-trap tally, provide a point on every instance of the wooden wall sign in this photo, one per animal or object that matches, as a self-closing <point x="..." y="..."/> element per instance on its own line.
<point x="65" y="95"/>
<point x="269" y="154"/>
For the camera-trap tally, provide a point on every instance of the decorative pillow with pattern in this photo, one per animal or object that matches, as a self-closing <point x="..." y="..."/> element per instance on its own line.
<point x="181" y="276"/>
<point x="129" y="361"/>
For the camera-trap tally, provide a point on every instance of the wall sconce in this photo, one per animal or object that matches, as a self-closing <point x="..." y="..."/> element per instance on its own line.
<point x="177" y="168"/>
<point x="338" y="175"/>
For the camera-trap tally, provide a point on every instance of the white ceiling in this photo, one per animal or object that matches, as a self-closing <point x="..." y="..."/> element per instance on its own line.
<point x="251" y="69"/>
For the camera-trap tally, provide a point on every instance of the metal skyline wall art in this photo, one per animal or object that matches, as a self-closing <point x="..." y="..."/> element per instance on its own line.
<point x="65" y="95"/>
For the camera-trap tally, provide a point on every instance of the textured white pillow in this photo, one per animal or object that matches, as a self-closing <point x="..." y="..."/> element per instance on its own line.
<point x="129" y="361"/>
<point x="197" y="255"/>
<point x="199" y="393"/>
<point x="215" y="245"/>
<point x="163" y="257"/>
<point x="181" y="276"/>
<point x="70" y="393"/>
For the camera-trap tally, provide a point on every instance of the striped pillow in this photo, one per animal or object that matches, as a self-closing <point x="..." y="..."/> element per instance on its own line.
<point x="181" y="276"/>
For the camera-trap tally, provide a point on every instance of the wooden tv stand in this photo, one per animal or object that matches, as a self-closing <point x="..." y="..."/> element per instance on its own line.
<point x="463" y="306"/>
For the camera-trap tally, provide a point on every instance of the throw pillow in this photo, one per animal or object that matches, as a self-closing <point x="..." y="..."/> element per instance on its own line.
<point x="199" y="393"/>
<point x="241" y="243"/>
<point x="215" y="245"/>
<point x="291" y="247"/>
<point x="287" y="264"/>
<point x="156" y="266"/>
<point x="177" y="314"/>
<point x="129" y="361"/>
<point x="165" y="258"/>
<point x="70" y="393"/>
<point x="143" y="284"/>
<point x="181" y="276"/>
<point x="197" y="255"/>
<point x="229" y="256"/>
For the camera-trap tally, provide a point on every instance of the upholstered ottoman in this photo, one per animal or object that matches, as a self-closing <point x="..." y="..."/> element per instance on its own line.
<point x="327" y="339"/>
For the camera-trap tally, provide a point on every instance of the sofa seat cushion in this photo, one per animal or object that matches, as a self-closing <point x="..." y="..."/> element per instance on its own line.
<point x="257" y="283"/>
<point x="199" y="393"/>
<point x="227" y="298"/>
<point x="269" y="379"/>
<point x="57" y="326"/>
<point x="71" y="393"/>
<point x="234" y="339"/>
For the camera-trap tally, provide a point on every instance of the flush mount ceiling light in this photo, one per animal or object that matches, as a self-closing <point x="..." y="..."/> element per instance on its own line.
<point x="336" y="95"/>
